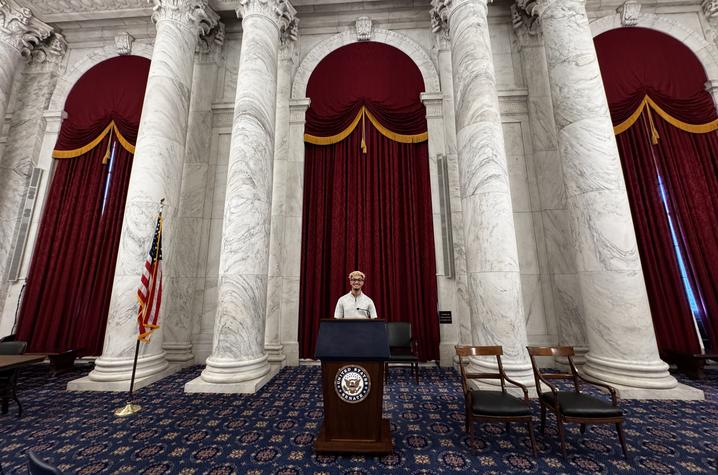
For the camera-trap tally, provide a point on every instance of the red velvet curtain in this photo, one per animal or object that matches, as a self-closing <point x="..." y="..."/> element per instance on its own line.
<point x="636" y="62"/>
<point x="370" y="211"/>
<point x="68" y="290"/>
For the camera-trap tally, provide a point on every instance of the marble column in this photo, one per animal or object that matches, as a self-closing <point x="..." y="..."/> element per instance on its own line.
<point x="20" y="31"/>
<point x="238" y="363"/>
<point x="20" y="34"/>
<point x="288" y="58"/>
<point x="622" y="344"/>
<point x="184" y="312"/>
<point x="156" y="174"/>
<point x="494" y="281"/>
<point x="558" y="267"/>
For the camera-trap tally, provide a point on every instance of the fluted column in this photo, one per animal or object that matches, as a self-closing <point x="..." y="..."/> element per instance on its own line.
<point x="156" y="174"/>
<point x="494" y="282"/>
<point x="238" y="362"/>
<point x="622" y="343"/>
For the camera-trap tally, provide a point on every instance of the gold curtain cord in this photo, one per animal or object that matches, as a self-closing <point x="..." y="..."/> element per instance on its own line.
<point x="110" y="129"/>
<point x="648" y="104"/>
<point x="332" y="139"/>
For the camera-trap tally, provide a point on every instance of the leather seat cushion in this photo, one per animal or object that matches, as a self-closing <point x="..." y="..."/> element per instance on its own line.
<point x="497" y="403"/>
<point x="581" y="405"/>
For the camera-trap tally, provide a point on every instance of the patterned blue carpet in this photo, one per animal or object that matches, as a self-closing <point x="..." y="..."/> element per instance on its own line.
<point x="272" y="432"/>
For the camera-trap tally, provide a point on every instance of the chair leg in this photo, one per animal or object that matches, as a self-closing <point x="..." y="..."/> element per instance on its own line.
<point x="562" y="436"/>
<point x="531" y="436"/>
<point x="19" y="406"/>
<point x="543" y="418"/>
<point x="508" y="427"/>
<point x="583" y="428"/>
<point x="5" y="403"/>
<point x="619" y="428"/>
<point x="386" y="373"/>
<point x="416" y="372"/>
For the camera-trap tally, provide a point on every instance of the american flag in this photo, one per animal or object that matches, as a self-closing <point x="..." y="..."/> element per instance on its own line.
<point x="149" y="293"/>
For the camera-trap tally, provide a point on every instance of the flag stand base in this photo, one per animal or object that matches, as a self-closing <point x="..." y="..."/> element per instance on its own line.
<point x="127" y="410"/>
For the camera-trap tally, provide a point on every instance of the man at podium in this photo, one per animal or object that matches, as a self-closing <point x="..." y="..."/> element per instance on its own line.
<point x="355" y="304"/>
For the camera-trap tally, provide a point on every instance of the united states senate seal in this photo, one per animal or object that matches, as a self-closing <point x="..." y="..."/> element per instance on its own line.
<point x="352" y="383"/>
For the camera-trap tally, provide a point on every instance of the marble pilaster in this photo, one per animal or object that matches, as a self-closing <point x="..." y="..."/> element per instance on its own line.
<point x="622" y="344"/>
<point x="288" y="57"/>
<point x="559" y="270"/>
<point x="494" y="281"/>
<point x="156" y="174"/>
<point x="291" y="257"/>
<point x="238" y="362"/>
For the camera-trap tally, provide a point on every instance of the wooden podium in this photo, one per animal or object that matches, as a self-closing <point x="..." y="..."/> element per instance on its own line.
<point x="353" y="354"/>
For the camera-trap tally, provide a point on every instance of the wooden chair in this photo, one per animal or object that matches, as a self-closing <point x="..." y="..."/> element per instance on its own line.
<point x="8" y="378"/>
<point x="573" y="406"/>
<point x="402" y="348"/>
<point x="488" y="405"/>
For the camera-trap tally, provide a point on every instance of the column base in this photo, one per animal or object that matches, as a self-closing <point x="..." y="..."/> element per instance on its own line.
<point x="202" y="347"/>
<point x="681" y="392"/>
<point x="178" y="352"/>
<point x="629" y="374"/>
<point x="111" y="370"/>
<point x="579" y="359"/>
<point x="87" y="384"/>
<point x="199" y="385"/>
<point x="232" y="376"/>
<point x="275" y="355"/>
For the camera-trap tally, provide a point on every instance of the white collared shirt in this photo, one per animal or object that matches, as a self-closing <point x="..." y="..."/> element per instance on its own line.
<point x="349" y="306"/>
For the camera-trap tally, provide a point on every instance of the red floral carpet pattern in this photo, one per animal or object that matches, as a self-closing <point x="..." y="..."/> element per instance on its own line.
<point x="272" y="432"/>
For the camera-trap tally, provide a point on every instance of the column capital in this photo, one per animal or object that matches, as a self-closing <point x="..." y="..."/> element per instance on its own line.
<point x="442" y="10"/>
<point x="193" y="13"/>
<point x="537" y="8"/>
<point x="434" y="103"/>
<point x="279" y="12"/>
<point x="52" y="50"/>
<point x="527" y="27"/>
<point x="20" y="29"/>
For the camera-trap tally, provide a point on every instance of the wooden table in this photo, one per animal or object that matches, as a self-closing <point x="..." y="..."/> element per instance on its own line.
<point x="10" y="362"/>
<point x="18" y="361"/>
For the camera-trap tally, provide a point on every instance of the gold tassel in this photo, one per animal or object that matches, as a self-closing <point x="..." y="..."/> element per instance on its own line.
<point x="363" y="131"/>
<point x="654" y="131"/>
<point x="109" y="148"/>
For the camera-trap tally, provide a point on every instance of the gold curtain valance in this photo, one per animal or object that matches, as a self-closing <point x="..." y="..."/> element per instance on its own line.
<point x="649" y="104"/>
<point x="364" y="113"/>
<point x="110" y="129"/>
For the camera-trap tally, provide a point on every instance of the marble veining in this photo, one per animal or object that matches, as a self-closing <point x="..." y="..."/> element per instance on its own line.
<point x="622" y="344"/>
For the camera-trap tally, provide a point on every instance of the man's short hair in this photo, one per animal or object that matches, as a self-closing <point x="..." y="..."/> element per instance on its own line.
<point x="357" y="273"/>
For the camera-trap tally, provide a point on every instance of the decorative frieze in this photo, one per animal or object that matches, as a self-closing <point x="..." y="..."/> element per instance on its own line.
<point x="20" y="29"/>
<point x="281" y="12"/>
<point x="123" y="43"/>
<point x="629" y="11"/>
<point x="195" y="13"/>
<point x="363" y="28"/>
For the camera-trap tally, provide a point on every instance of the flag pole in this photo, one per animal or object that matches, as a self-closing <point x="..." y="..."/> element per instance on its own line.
<point x="129" y="408"/>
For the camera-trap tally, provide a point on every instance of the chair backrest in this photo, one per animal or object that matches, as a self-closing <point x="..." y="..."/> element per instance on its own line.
<point x="13" y="347"/>
<point x="35" y="466"/>
<point x="554" y="351"/>
<point x="465" y="351"/>
<point x="10" y="337"/>
<point x="399" y="334"/>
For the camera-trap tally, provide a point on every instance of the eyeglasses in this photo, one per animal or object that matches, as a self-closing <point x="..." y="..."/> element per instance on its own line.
<point x="356" y="280"/>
